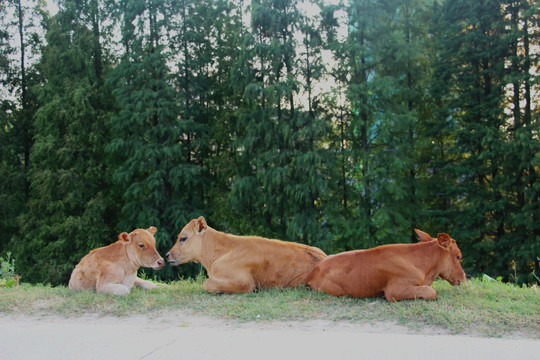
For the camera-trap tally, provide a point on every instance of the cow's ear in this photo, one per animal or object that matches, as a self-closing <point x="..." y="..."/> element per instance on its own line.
<point x="125" y="238"/>
<point x="444" y="241"/>
<point x="423" y="235"/>
<point x="201" y="225"/>
<point x="152" y="230"/>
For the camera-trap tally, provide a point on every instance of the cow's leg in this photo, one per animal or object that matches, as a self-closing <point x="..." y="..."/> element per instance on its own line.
<point x="216" y="285"/>
<point x="404" y="292"/>
<point x="112" y="288"/>
<point x="76" y="280"/>
<point x="325" y="283"/>
<point x="145" y="284"/>
<point x="328" y="286"/>
<point x="107" y="285"/>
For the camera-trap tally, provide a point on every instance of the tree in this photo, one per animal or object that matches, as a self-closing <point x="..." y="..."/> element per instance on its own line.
<point x="310" y="163"/>
<point x="263" y="159"/>
<point x="146" y="129"/>
<point x="280" y="178"/>
<point x="383" y="68"/>
<point x="204" y="36"/>
<point x="20" y="40"/>
<point x="520" y="165"/>
<point x="401" y="73"/>
<point x="220" y="28"/>
<point x="492" y="158"/>
<point x="153" y="112"/>
<point x="69" y="199"/>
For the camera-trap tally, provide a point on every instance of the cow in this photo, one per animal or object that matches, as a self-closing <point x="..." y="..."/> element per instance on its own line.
<point x="397" y="271"/>
<point x="113" y="269"/>
<point x="239" y="264"/>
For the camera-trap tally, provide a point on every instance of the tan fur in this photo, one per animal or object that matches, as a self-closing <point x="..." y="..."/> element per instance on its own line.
<point x="113" y="269"/>
<point x="239" y="264"/>
<point x="398" y="271"/>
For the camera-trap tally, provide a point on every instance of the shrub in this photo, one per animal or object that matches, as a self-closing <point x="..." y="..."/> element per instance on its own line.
<point x="8" y="278"/>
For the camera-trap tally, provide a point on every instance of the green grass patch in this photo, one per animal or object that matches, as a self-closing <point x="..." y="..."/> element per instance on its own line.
<point x="476" y="307"/>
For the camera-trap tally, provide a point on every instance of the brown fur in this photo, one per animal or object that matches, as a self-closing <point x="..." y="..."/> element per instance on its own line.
<point x="239" y="264"/>
<point x="398" y="271"/>
<point x="113" y="269"/>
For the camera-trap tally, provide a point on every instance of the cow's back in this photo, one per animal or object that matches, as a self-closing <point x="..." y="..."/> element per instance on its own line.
<point x="271" y="263"/>
<point x="85" y="274"/>
<point x="366" y="273"/>
<point x="290" y="263"/>
<point x="358" y="273"/>
<point x="90" y="268"/>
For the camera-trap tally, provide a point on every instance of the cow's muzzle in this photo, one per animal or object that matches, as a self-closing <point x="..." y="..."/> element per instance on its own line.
<point x="170" y="260"/>
<point x="159" y="264"/>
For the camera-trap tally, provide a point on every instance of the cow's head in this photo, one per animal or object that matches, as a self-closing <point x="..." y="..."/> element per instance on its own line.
<point x="141" y="247"/>
<point x="450" y="262"/>
<point x="188" y="246"/>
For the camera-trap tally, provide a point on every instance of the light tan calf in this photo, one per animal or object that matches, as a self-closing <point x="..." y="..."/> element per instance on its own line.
<point x="239" y="264"/>
<point x="113" y="269"/>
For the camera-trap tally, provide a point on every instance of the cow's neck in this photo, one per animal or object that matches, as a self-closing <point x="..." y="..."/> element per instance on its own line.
<point x="131" y="263"/>
<point x="215" y="245"/>
<point x="429" y="260"/>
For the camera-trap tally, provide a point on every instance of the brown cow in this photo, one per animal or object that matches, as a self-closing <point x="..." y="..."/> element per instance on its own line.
<point x="113" y="269"/>
<point x="399" y="271"/>
<point x="239" y="264"/>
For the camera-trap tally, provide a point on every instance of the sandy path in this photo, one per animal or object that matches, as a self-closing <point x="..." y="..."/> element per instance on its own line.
<point x="184" y="336"/>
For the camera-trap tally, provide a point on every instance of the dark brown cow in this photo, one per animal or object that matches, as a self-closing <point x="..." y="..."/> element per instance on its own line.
<point x="239" y="264"/>
<point x="113" y="269"/>
<point x="397" y="271"/>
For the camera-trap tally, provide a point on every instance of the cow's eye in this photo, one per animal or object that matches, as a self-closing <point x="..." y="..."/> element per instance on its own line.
<point x="141" y="246"/>
<point x="183" y="238"/>
<point x="458" y="257"/>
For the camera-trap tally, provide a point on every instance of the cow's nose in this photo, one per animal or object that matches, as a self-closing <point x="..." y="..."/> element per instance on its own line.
<point x="160" y="262"/>
<point x="167" y="256"/>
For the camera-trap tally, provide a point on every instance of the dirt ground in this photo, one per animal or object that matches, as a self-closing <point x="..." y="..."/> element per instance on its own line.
<point x="182" y="335"/>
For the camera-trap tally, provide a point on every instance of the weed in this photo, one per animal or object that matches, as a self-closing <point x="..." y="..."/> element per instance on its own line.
<point x="8" y="277"/>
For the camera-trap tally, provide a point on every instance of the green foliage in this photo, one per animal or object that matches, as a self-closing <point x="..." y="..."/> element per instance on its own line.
<point x="491" y="162"/>
<point x="150" y="113"/>
<point x="66" y="212"/>
<point x="17" y="107"/>
<point x="145" y="132"/>
<point x="280" y="166"/>
<point x="8" y="276"/>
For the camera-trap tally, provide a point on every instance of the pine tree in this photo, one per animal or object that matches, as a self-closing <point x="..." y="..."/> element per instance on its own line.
<point x="204" y="35"/>
<point x="220" y="105"/>
<point x="146" y="129"/>
<point x="400" y="76"/>
<point x="477" y="58"/>
<point x="20" y="39"/>
<point x="258" y="188"/>
<point x="196" y="27"/>
<point x="350" y="220"/>
<point x="439" y="131"/>
<point x="310" y="159"/>
<point x="520" y="243"/>
<point x="383" y="68"/>
<point x="246" y="198"/>
<point x="69" y="202"/>
<point x="280" y="179"/>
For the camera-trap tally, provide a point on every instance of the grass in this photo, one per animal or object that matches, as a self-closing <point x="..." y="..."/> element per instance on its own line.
<point x="476" y="307"/>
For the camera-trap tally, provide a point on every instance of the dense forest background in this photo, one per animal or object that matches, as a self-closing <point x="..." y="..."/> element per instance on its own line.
<point x="340" y="125"/>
